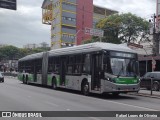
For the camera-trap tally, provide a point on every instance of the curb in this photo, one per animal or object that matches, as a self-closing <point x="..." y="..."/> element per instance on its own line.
<point x="145" y="95"/>
<point x="11" y="77"/>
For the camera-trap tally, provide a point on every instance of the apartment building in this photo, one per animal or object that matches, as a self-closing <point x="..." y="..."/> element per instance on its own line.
<point x="69" y="18"/>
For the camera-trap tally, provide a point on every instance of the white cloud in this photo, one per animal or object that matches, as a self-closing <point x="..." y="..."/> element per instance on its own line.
<point x="24" y="25"/>
<point x="141" y="8"/>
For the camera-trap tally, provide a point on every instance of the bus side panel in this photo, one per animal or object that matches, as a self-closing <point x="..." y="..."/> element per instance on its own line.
<point x="30" y="77"/>
<point x="49" y="80"/>
<point x="20" y="76"/>
<point x="57" y="79"/>
<point x="74" y="82"/>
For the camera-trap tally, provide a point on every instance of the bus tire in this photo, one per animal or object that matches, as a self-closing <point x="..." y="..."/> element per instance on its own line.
<point x="115" y="94"/>
<point x="27" y="82"/>
<point x="54" y="83"/>
<point x="85" y="88"/>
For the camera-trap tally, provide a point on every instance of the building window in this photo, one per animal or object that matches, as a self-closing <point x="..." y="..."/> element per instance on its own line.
<point x="53" y="36"/>
<point x="68" y="36"/>
<point x="69" y="5"/>
<point x="73" y="19"/>
<point x="68" y="18"/>
<point x="68" y="27"/>
<point x="55" y="5"/>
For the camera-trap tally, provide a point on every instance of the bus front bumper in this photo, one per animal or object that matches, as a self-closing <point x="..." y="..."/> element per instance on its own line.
<point x="121" y="88"/>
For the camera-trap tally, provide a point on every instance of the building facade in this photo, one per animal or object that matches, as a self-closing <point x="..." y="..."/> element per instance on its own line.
<point x="69" y="18"/>
<point x="33" y="46"/>
<point x="30" y="46"/>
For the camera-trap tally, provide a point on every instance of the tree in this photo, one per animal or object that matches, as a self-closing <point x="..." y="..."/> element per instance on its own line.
<point x="12" y="52"/>
<point x="123" y="28"/>
<point x="9" y="53"/>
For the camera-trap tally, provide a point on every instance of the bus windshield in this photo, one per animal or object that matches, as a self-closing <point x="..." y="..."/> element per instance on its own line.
<point x="123" y="67"/>
<point x="120" y="64"/>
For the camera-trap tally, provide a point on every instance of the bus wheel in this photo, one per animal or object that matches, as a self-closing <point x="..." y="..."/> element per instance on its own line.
<point x="23" y="79"/>
<point x="54" y="84"/>
<point x="85" y="88"/>
<point x="155" y="87"/>
<point x="115" y="94"/>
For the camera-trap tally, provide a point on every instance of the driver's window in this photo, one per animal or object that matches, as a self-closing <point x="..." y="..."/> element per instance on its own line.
<point x="154" y="75"/>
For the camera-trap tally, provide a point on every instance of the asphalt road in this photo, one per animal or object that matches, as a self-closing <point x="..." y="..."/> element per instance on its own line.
<point x="15" y="96"/>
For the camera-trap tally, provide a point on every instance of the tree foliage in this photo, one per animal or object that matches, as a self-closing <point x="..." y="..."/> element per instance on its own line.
<point x="123" y="28"/>
<point x="9" y="52"/>
<point x="12" y="52"/>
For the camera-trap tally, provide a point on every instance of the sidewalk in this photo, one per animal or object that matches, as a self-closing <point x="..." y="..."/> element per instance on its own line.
<point x="147" y="93"/>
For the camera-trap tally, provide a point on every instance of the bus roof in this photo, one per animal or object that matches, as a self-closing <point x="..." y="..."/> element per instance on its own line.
<point x="97" y="46"/>
<point x="32" y="56"/>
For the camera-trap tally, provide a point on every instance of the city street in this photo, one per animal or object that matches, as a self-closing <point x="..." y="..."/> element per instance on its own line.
<point x="101" y="48"/>
<point x="15" y="96"/>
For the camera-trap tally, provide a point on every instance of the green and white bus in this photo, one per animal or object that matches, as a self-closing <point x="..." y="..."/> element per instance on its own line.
<point x="90" y="68"/>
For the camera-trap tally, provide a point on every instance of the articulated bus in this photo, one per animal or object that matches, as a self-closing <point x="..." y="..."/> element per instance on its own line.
<point x="90" y="68"/>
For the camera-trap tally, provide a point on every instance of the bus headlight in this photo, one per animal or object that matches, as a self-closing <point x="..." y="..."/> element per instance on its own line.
<point x="111" y="80"/>
<point x="139" y="80"/>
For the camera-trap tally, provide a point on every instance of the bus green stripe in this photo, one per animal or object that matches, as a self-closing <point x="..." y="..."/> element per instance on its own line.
<point x="20" y="77"/>
<point x="49" y="82"/>
<point x="126" y="80"/>
<point x="30" y="77"/>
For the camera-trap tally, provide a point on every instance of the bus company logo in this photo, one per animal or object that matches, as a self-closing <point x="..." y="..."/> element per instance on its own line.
<point x="6" y="114"/>
<point x="21" y="114"/>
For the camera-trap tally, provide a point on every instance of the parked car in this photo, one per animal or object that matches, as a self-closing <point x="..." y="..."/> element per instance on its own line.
<point x="1" y="77"/>
<point x="146" y="81"/>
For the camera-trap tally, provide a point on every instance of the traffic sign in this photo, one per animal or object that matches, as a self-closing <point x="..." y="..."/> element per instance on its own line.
<point x="8" y="4"/>
<point x="153" y="62"/>
<point x="94" y="32"/>
<point x="135" y="45"/>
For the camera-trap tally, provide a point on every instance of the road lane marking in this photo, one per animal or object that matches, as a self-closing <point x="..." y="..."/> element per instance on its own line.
<point x="49" y="103"/>
<point x="94" y="118"/>
<point x="133" y="106"/>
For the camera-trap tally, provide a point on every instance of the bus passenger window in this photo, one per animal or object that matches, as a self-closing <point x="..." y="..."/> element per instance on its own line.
<point x="69" y="71"/>
<point x="86" y="65"/>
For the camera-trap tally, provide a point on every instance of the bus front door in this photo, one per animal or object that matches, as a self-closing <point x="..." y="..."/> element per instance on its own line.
<point x="96" y="62"/>
<point x="63" y="63"/>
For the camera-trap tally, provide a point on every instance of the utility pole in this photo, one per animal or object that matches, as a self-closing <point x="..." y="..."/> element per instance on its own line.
<point x="155" y="48"/>
<point x="155" y="37"/>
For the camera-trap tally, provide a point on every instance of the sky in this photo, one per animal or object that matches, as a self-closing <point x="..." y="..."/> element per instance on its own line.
<point x="24" y="26"/>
